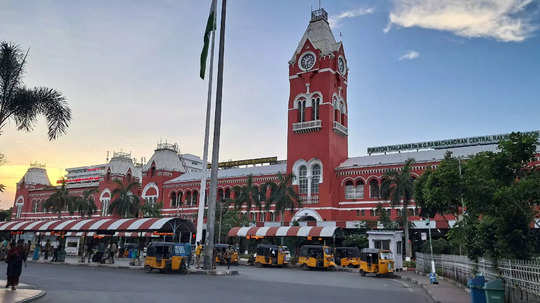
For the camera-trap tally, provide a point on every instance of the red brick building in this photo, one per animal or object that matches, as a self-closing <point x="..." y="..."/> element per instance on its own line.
<point x="336" y="190"/>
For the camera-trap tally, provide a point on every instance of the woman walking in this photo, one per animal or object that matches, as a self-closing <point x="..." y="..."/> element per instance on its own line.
<point x="15" y="261"/>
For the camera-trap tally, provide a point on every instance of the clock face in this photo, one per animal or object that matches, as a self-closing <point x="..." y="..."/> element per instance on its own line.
<point x="307" y="61"/>
<point x="341" y="65"/>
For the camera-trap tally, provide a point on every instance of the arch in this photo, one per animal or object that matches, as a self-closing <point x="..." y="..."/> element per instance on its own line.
<point x="374" y="189"/>
<point x="147" y="187"/>
<point x="295" y="168"/>
<point x="173" y="199"/>
<point x="302" y="180"/>
<point x="349" y="189"/>
<point x="19" y="200"/>
<point x="347" y="179"/>
<point x="316" y="172"/>
<point x="188" y="197"/>
<point x="306" y="213"/>
<point x="312" y="162"/>
<point x="179" y="196"/>
<point x="106" y="193"/>
<point x="359" y="186"/>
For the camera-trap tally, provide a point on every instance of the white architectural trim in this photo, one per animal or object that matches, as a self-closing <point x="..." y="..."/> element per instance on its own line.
<point x="105" y="191"/>
<point x="147" y="187"/>
<point x="19" y="200"/>
<point x="307" y="212"/>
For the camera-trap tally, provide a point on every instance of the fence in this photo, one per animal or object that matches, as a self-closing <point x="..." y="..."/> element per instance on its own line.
<point x="521" y="277"/>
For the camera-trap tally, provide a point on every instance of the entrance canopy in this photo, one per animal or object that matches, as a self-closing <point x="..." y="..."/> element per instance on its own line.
<point x="111" y="225"/>
<point x="283" y="231"/>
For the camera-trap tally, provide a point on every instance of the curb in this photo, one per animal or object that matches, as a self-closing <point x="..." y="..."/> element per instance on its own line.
<point x="90" y="265"/>
<point x="41" y="294"/>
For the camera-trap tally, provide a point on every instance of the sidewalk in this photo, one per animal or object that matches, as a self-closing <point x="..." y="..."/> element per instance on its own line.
<point x="24" y="293"/>
<point x="444" y="292"/>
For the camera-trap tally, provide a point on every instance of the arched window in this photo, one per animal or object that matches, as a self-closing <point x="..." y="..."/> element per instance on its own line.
<point x="349" y="190"/>
<point x="194" y="198"/>
<point x="173" y="199"/>
<point x="302" y="180"/>
<point x="220" y="195"/>
<point x="227" y="193"/>
<point x="188" y="198"/>
<point x="301" y="110"/>
<point x="315" y="106"/>
<point x="179" y="197"/>
<point x="359" y="190"/>
<point x="315" y="178"/>
<point x="374" y="191"/>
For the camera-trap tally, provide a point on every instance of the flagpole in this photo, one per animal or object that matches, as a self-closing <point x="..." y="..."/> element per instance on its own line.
<point x="202" y="191"/>
<point x="209" y="251"/>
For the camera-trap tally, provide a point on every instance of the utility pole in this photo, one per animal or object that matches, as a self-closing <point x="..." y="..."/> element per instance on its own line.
<point x="210" y="220"/>
<point x="202" y="197"/>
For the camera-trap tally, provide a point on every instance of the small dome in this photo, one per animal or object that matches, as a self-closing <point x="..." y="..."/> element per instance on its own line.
<point x="165" y="158"/>
<point x="36" y="175"/>
<point x="120" y="164"/>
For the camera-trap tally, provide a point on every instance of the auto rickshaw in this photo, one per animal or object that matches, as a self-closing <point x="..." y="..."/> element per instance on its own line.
<point x="220" y="251"/>
<point x="316" y="256"/>
<point x="167" y="256"/>
<point x="375" y="261"/>
<point x="347" y="256"/>
<point x="272" y="255"/>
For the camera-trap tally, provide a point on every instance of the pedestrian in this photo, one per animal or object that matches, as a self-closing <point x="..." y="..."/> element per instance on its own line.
<point x="198" y="252"/>
<point x="47" y="249"/>
<point x="56" y="249"/>
<point x="228" y="256"/>
<point x="14" y="260"/>
<point x="114" y="250"/>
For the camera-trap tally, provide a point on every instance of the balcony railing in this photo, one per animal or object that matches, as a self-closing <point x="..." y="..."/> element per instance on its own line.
<point x="308" y="126"/>
<point x="340" y="129"/>
<point x="314" y="199"/>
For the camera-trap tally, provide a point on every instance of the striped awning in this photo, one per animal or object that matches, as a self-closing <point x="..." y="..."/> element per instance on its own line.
<point x="87" y="225"/>
<point x="283" y="231"/>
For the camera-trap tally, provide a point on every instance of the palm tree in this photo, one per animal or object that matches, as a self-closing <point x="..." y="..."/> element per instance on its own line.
<point x="397" y="187"/>
<point x="151" y="210"/>
<point x="85" y="204"/>
<point x="125" y="204"/>
<point x="61" y="201"/>
<point x="247" y="195"/>
<point x="2" y="161"/>
<point x="23" y="104"/>
<point x="284" y="195"/>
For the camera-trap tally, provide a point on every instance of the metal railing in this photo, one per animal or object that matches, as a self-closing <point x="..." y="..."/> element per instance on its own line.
<point x="519" y="275"/>
<point x="307" y="126"/>
<point x="313" y="199"/>
<point x="340" y="129"/>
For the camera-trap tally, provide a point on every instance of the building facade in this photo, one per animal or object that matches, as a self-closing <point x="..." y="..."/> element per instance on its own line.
<point x="335" y="189"/>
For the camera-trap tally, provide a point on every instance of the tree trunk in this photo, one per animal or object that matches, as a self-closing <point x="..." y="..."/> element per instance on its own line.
<point x="408" y="252"/>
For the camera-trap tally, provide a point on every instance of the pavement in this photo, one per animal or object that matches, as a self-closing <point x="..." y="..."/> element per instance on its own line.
<point x="65" y="283"/>
<point x="446" y="291"/>
<point x="24" y="293"/>
<point x="125" y="263"/>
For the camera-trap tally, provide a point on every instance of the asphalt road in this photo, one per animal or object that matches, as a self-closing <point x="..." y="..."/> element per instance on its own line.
<point x="65" y="283"/>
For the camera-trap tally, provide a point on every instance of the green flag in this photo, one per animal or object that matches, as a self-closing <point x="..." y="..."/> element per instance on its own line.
<point x="210" y="26"/>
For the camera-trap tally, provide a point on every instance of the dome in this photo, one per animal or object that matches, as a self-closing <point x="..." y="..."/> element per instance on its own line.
<point x="36" y="175"/>
<point x="165" y="158"/>
<point x="120" y="164"/>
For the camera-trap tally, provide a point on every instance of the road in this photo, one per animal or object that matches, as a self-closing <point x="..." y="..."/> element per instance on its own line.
<point x="65" y="283"/>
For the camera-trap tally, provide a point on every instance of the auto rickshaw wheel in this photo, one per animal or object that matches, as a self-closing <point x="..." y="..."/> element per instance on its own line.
<point x="148" y="268"/>
<point x="183" y="268"/>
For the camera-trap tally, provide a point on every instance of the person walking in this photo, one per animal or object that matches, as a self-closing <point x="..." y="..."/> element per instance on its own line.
<point x="198" y="252"/>
<point x="114" y="250"/>
<point x="14" y="260"/>
<point x="228" y="255"/>
<point x="47" y="249"/>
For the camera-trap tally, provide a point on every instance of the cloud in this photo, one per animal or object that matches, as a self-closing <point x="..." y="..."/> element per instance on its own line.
<point x="410" y="55"/>
<point x="503" y="20"/>
<point x="335" y="21"/>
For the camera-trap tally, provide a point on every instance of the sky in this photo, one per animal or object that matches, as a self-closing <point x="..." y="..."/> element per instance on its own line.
<point x="419" y="70"/>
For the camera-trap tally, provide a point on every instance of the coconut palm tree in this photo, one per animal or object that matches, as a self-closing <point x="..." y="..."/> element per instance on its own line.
<point x="284" y="195"/>
<point x="247" y="195"/>
<point x="22" y="104"/>
<point x="125" y="204"/>
<point x="398" y="187"/>
<point x="151" y="210"/>
<point x="61" y="201"/>
<point x="85" y="204"/>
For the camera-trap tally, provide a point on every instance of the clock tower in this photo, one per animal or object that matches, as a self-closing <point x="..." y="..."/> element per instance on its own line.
<point x="317" y="115"/>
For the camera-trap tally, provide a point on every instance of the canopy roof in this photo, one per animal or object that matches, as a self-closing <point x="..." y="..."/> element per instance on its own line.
<point x="95" y="224"/>
<point x="283" y="231"/>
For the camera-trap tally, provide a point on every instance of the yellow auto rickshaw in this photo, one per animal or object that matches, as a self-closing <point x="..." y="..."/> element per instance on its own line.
<point x="347" y="256"/>
<point x="316" y="256"/>
<point x="272" y="255"/>
<point x="375" y="261"/>
<point x="167" y="256"/>
<point x="220" y="252"/>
